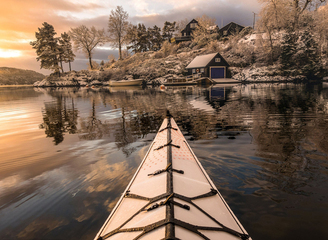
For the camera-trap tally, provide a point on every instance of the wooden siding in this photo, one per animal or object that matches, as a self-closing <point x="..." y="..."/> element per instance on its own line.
<point x="188" y="30"/>
<point x="229" y="29"/>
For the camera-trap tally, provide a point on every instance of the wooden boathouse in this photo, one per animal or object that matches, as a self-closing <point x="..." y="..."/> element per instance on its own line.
<point x="212" y="66"/>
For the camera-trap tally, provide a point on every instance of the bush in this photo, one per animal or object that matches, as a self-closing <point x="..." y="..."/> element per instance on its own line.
<point x="105" y="75"/>
<point x="183" y="45"/>
<point x="213" y="46"/>
<point x="95" y="65"/>
<point x="241" y="55"/>
<point x="158" y="55"/>
<point x="246" y="31"/>
<point x="169" y="48"/>
<point x="118" y="74"/>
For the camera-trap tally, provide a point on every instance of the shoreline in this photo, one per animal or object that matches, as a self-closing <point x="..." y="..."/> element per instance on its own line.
<point x="156" y="83"/>
<point x="27" y="85"/>
<point x="216" y="84"/>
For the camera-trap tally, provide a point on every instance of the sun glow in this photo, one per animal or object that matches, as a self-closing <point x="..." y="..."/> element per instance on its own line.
<point x="4" y="53"/>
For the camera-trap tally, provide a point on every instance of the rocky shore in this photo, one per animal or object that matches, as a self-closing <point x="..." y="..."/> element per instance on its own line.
<point x="156" y="67"/>
<point x="101" y="78"/>
<point x="73" y="79"/>
<point x="263" y="74"/>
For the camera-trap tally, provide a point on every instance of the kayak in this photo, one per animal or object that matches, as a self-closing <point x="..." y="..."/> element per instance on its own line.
<point x="171" y="197"/>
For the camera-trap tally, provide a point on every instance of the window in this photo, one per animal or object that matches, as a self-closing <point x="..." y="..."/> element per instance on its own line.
<point x="217" y="59"/>
<point x="225" y="33"/>
<point x="192" y="25"/>
<point x="194" y="71"/>
<point x="202" y="70"/>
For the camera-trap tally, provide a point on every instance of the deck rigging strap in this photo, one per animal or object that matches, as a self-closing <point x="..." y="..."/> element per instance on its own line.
<point x="167" y="145"/>
<point x="168" y="201"/>
<point x="165" y="222"/>
<point x="168" y="168"/>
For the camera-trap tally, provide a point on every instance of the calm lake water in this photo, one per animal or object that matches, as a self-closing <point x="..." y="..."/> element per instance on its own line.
<point x="67" y="154"/>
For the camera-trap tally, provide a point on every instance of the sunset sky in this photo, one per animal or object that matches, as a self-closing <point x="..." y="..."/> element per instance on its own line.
<point x="20" y="19"/>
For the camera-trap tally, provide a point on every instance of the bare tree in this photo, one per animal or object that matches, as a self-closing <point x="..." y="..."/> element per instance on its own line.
<point x="86" y="39"/>
<point x="284" y="14"/>
<point x="299" y="6"/>
<point x="273" y="17"/>
<point x="321" y="22"/>
<point x="181" y="25"/>
<point x="275" y="13"/>
<point x="117" y="28"/>
<point x="204" y="22"/>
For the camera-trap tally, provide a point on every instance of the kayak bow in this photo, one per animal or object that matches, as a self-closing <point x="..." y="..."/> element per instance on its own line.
<point x="171" y="197"/>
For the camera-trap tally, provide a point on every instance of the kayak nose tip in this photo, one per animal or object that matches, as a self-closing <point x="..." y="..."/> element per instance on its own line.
<point x="168" y="114"/>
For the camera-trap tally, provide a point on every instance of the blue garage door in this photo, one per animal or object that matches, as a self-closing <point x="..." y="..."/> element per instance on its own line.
<point x="217" y="72"/>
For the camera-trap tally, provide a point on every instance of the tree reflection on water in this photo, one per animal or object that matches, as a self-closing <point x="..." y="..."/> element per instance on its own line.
<point x="58" y="118"/>
<point x="92" y="128"/>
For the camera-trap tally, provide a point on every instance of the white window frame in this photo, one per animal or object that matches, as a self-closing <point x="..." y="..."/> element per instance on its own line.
<point x="217" y="60"/>
<point x="193" y="70"/>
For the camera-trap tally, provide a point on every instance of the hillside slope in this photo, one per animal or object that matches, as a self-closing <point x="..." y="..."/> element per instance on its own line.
<point x="14" y="76"/>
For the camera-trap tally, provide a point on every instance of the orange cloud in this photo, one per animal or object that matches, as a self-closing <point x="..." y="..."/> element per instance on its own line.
<point x="25" y="16"/>
<point x="19" y="20"/>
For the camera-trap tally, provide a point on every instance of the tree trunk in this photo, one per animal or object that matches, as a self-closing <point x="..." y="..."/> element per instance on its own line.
<point x="271" y="46"/>
<point x="90" y="62"/>
<point x="276" y="14"/>
<point x="61" y="66"/>
<point x="120" y="50"/>
<point x="57" y="66"/>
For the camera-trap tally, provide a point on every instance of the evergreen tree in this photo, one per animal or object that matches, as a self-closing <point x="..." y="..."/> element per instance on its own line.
<point x="47" y="48"/>
<point x="142" y="38"/>
<point x="155" y="38"/>
<point x="138" y="38"/>
<point x="132" y="38"/>
<point x="168" y="30"/>
<point x="67" y="54"/>
<point x="61" y="55"/>
<point x="288" y="50"/>
<point x="308" y="55"/>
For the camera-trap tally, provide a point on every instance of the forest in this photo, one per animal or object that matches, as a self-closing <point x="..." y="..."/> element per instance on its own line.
<point x="14" y="76"/>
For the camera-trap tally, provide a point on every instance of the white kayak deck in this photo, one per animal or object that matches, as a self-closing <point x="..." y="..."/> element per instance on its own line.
<point x="171" y="197"/>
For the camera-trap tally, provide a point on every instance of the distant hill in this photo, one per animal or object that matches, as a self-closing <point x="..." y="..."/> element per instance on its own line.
<point x="15" y="76"/>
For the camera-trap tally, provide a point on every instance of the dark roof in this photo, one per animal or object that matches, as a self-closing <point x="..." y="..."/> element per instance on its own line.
<point x="192" y="21"/>
<point x="231" y="28"/>
<point x="203" y="60"/>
